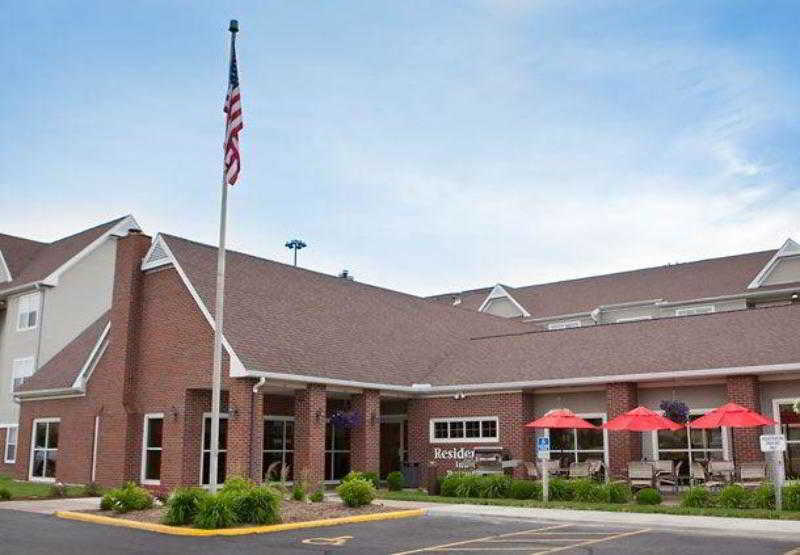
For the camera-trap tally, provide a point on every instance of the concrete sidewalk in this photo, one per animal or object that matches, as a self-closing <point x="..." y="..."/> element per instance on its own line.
<point x="50" y="506"/>
<point x="789" y="529"/>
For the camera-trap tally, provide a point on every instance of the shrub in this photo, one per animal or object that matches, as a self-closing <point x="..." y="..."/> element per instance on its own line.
<point x="257" y="505"/>
<point x="298" y="492"/>
<point x="648" y="496"/>
<point x="356" y="492"/>
<point x="588" y="491"/>
<point x="236" y="483"/>
<point x="791" y="497"/>
<point x="616" y="492"/>
<point x="216" y="511"/>
<point x="735" y="496"/>
<point x="561" y="490"/>
<point x="57" y="490"/>
<point x="763" y="497"/>
<point x="317" y="497"/>
<point x="182" y="505"/>
<point x="129" y="497"/>
<point x="525" y="489"/>
<point x="92" y="490"/>
<point x="449" y="484"/>
<point x="494" y="486"/>
<point x="698" y="498"/>
<point x="5" y="494"/>
<point x="469" y="485"/>
<point x="395" y="481"/>
<point x="368" y="476"/>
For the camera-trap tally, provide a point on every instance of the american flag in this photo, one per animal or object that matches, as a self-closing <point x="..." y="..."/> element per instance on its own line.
<point x="233" y="124"/>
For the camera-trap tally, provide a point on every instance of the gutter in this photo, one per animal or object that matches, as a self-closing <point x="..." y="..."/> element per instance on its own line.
<point x="36" y="285"/>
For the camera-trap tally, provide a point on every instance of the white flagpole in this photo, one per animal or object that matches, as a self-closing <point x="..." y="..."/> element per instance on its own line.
<point x="216" y="379"/>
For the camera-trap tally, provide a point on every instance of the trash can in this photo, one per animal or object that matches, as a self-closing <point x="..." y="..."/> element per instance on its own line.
<point x="432" y="479"/>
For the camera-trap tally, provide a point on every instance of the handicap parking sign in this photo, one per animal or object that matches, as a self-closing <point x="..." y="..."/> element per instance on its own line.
<point x="543" y="448"/>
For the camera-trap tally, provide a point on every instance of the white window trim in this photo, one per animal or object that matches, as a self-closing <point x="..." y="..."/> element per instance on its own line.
<point x="601" y="415"/>
<point x="776" y="415"/>
<point x="565" y="325"/>
<point x="13" y="373"/>
<point x="38" y="310"/>
<point x="693" y="310"/>
<point x="33" y="448"/>
<point x="16" y="444"/>
<point x="223" y="416"/>
<point x="433" y="421"/>
<point x="147" y="417"/>
<point x="725" y="448"/>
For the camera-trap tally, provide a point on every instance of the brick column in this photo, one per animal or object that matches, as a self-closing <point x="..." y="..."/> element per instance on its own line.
<point x="365" y="439"/>
<point x="623" y="447"/>
<point x="245" y="430"/>
<point x="309" y="434"/>
<point x="745" y="391"/>
<point x="418" y="416"/>
<point x="528" y="440"/>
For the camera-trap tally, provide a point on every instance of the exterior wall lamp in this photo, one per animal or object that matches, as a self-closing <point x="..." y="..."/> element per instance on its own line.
<point x="317" y="416"/>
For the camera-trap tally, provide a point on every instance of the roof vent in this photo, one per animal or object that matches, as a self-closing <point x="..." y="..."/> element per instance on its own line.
<point x="345" y="274"/>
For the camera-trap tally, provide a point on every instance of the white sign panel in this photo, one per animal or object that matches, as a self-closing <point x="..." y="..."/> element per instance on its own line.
<point x="773" y="442"/>
<point x="543" y="448"/>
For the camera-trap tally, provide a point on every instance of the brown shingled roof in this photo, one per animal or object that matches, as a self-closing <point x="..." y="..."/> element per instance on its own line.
<point x="61" y="371"/>
<point x="289" y="320"/>
<point x="50" y="256"/>
<point x="18" y="252"/>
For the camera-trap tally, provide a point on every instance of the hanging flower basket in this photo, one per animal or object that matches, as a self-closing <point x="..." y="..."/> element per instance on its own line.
<point x="346" y="420"/>
<point x="677" y="411"/>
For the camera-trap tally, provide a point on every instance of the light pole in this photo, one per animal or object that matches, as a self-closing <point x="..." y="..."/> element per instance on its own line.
<point x="295" y="245"/>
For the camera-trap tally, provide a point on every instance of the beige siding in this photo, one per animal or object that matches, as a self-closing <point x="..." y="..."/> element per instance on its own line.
<point x="13" y="344"/>
<point x="785" y="271"/>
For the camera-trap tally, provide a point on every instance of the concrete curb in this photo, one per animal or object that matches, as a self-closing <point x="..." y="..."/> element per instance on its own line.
<point x="178" y="531"/>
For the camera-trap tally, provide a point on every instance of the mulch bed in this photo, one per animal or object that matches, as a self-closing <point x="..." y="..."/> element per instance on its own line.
<point x="291" y="511"/>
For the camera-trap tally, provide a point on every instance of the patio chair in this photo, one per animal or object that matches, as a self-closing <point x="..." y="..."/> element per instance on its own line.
<point x="553" y="466"/>
<point x="667" y="473"/>
<point x="752" y="474"/>
<point x="531" y="470"/>
<point x="595" y="467"/>
<point x="641" y="475"/>
<point x="698" y="475"/>
<point x="579" y="470"/>
<point x="721" y="470"/>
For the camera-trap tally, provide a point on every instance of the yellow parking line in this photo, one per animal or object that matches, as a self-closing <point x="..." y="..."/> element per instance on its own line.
<point x="609" y="538"/>
<point x="446" y="545"/>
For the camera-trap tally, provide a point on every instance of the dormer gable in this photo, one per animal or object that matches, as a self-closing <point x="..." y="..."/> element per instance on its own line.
<point x="783" y="267"/>
<point x="499" y="302"/>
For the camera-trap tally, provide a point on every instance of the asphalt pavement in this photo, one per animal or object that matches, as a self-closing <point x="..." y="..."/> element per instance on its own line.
<point x="31" y="533"/>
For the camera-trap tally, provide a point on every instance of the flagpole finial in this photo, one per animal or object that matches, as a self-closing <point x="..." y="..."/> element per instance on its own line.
<point x="234" y="26"/>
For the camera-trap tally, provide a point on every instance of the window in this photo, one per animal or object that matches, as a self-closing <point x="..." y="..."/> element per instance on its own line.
<point x="152" y="442"/>
<point x="28" y="312"/>
<point x="789" y="426"/>
<point x="571" y="445"/>
<point x="482" y="429"/>
<point x="337" y="452"/>
<point x="205" y="458"/>
<point x="564" y="325"/>
<point x="44" y="451"/>
<point x="22" y="369"/>
<point x="692" y="310"/>
<point x="278" y="446"/>
<point x="700" y="445"/>
<point x="11" y="445"/>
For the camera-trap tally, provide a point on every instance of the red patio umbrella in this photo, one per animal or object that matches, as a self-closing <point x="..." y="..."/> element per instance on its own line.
<point x="641" y="419"/>
<point x="561" y="418"/>
<point x="731" y="416"/>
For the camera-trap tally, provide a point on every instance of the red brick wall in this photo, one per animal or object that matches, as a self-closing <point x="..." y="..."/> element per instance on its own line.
<point x="744" y="390"/>
<point x="7" y="469"/>
<point x="309" y="434"/>
<point x="622" y="446"/>
<point x="365" y="439"/>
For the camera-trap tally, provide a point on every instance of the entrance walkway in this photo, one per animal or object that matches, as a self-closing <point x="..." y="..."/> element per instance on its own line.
<point x="49" y="506"/>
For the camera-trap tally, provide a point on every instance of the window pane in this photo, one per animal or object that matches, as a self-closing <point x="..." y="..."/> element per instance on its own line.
<point x="153" y="465"/>
<point x="41" y="434"/>
<point x="269" y="458"/>
<point x="341" y="439"/>
<point x="273" y="434"/>
<point x="561" y="440"/>
<point x="204" y="476"/>
<point x="290" y="464"/>
<point x="591" y="439"/>
<point x="11" y="452"/>
<point x="440" y="430"/>
<point x="473" y="428"/>
<point x="52" y="440"/>
<point x="31" y="319"/>
<point x="154" y="432"/>
<point x="207" y="434"/>
<point x="672" y="440"/>
<point x="12" y="435"/>
<point x="50" y="468"/>
<point x="289" y="436"/>
<point x="456" y="429"/>
<point x="329" y="437"/>
<point x="222" y="461"/>
<point x="38" y="463"/>
<point x="341" y="465"/>
<point x="223" y="434"/>
<point x="489" y="428"/>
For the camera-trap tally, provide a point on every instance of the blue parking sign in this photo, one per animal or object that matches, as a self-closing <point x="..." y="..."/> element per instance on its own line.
<point x="543" y="448"/>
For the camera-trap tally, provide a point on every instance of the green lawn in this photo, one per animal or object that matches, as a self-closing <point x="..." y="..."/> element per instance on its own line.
<point x="29" y="490"/>
<point x="409" y="495"/>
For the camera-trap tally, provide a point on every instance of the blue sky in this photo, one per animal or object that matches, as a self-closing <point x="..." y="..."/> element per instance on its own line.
<point x="425" y="146"/>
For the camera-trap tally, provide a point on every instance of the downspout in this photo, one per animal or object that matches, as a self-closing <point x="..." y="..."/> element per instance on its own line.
<point x="261" y="381"/>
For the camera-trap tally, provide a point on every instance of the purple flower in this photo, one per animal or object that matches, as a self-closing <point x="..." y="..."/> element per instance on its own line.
<point x="677" y="411"/>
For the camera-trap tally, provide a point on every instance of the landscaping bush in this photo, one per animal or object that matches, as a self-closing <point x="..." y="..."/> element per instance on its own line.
<point x="182" y="505"/>
<point x="735" y="496"/>
<point x="494" y="486"/>
<point x="257" y="505"/>
<point x="57" y="490"/>
<point x="92" y="490"/>
<point x="525" y="489"/>
<point x="395" y="481"/>
<point x="588" y="491"/>
<point x="698" y="498"/>
<point x="5" y="494"/>
<point x="469" y="485"/>
<point x="129" y="497"/>
<point x="791" y="497"/>
<point x="371" y="477"/>
<point x="317" y="497"/>
<point x="216" y="511"/>
<point x="356" y="492"/>
<point x="648" y="496"/>
<point x="561" y="490"/>
<point x="617" y="492"/>
<point x="298" y="492"/>
<point x="763" y="497"/>
<point x="449" y="484"/>
<point x="236" y="483"/>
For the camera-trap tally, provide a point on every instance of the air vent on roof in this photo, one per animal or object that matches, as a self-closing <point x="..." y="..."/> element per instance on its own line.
<point x="158" y="253"/>
<point x="345" y="274"/>
<point x="157" y="256"/>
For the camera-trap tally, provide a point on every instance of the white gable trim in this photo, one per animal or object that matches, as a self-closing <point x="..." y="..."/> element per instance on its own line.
<point x="119" y="230"/>
<point x="94" y="357"/>
<point x="789" y="248"/>
<point x="4" y="269"/>
<point x="237" y="369"/>
<point x="499" y="292"/>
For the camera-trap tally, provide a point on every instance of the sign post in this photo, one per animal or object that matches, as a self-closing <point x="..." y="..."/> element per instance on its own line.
<point x="775" y="445"/>
<point x="543" y="454"/>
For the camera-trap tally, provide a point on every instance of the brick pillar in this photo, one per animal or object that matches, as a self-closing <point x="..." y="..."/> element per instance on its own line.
<point x="245" y="429"/>
<point x="528" y="439"/>
<point x="418" y="436"/>
<point x="365" y="439"/>
<point x="309" y="434"/>
<point x="744" y="390"/>
<point x="623" y="447"/>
